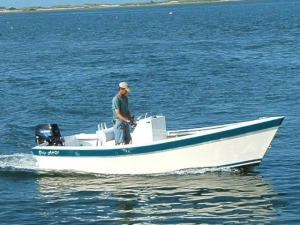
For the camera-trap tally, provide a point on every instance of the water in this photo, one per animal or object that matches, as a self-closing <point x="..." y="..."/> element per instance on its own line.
<point x="198" y="64"/>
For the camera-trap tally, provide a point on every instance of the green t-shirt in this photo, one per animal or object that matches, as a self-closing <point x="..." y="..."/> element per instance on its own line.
<point x="120" y="103"/>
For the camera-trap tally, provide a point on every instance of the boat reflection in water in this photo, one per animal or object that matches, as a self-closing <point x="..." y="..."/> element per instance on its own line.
<point x="210" y="197"/>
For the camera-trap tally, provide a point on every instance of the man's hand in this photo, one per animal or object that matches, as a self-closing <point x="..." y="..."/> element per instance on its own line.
<point x="133" y="123"/>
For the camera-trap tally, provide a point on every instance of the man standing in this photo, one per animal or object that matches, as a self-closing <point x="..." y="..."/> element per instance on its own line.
<point x="121" y="115"/>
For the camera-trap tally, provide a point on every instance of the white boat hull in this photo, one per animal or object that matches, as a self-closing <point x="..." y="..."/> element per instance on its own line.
<point x="203" y="150"/>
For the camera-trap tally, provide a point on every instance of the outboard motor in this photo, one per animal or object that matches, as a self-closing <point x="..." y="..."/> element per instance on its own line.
<point x="49" y="134"/>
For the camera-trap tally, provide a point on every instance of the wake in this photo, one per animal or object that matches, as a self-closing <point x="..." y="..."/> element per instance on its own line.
<point x="18" y="162"/>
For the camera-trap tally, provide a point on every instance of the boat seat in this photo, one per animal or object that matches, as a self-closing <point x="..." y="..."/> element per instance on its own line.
<point x="105" y="135"/>
<point x="86" y="139"/>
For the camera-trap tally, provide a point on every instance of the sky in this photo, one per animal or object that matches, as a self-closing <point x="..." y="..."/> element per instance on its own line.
<point x="47" y="3"/>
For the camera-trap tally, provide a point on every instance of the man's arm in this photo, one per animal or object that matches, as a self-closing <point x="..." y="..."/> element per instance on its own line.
<point x="121" y="117"/>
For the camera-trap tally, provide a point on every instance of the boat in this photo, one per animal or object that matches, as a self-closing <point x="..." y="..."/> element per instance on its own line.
<point x="154" y="149"/>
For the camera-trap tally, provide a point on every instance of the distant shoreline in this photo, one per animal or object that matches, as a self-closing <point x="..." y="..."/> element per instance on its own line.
<point x="98" y="6"/>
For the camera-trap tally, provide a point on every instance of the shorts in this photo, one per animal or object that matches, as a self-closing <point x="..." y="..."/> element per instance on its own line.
<point x="121" y="131"/>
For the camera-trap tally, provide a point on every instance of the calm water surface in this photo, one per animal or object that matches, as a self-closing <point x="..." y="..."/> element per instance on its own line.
<point x="198" y="64"/>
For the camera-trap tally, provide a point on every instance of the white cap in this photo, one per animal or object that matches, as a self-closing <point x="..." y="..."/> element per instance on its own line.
<point x="125" y="86"/>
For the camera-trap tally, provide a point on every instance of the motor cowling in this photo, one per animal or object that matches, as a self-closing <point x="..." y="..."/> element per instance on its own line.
<point x="48" y="134"/>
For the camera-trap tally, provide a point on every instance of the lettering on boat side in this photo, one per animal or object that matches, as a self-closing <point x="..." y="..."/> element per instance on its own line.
<point x="48" y="153"/>
<point x="126" y="150"/>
